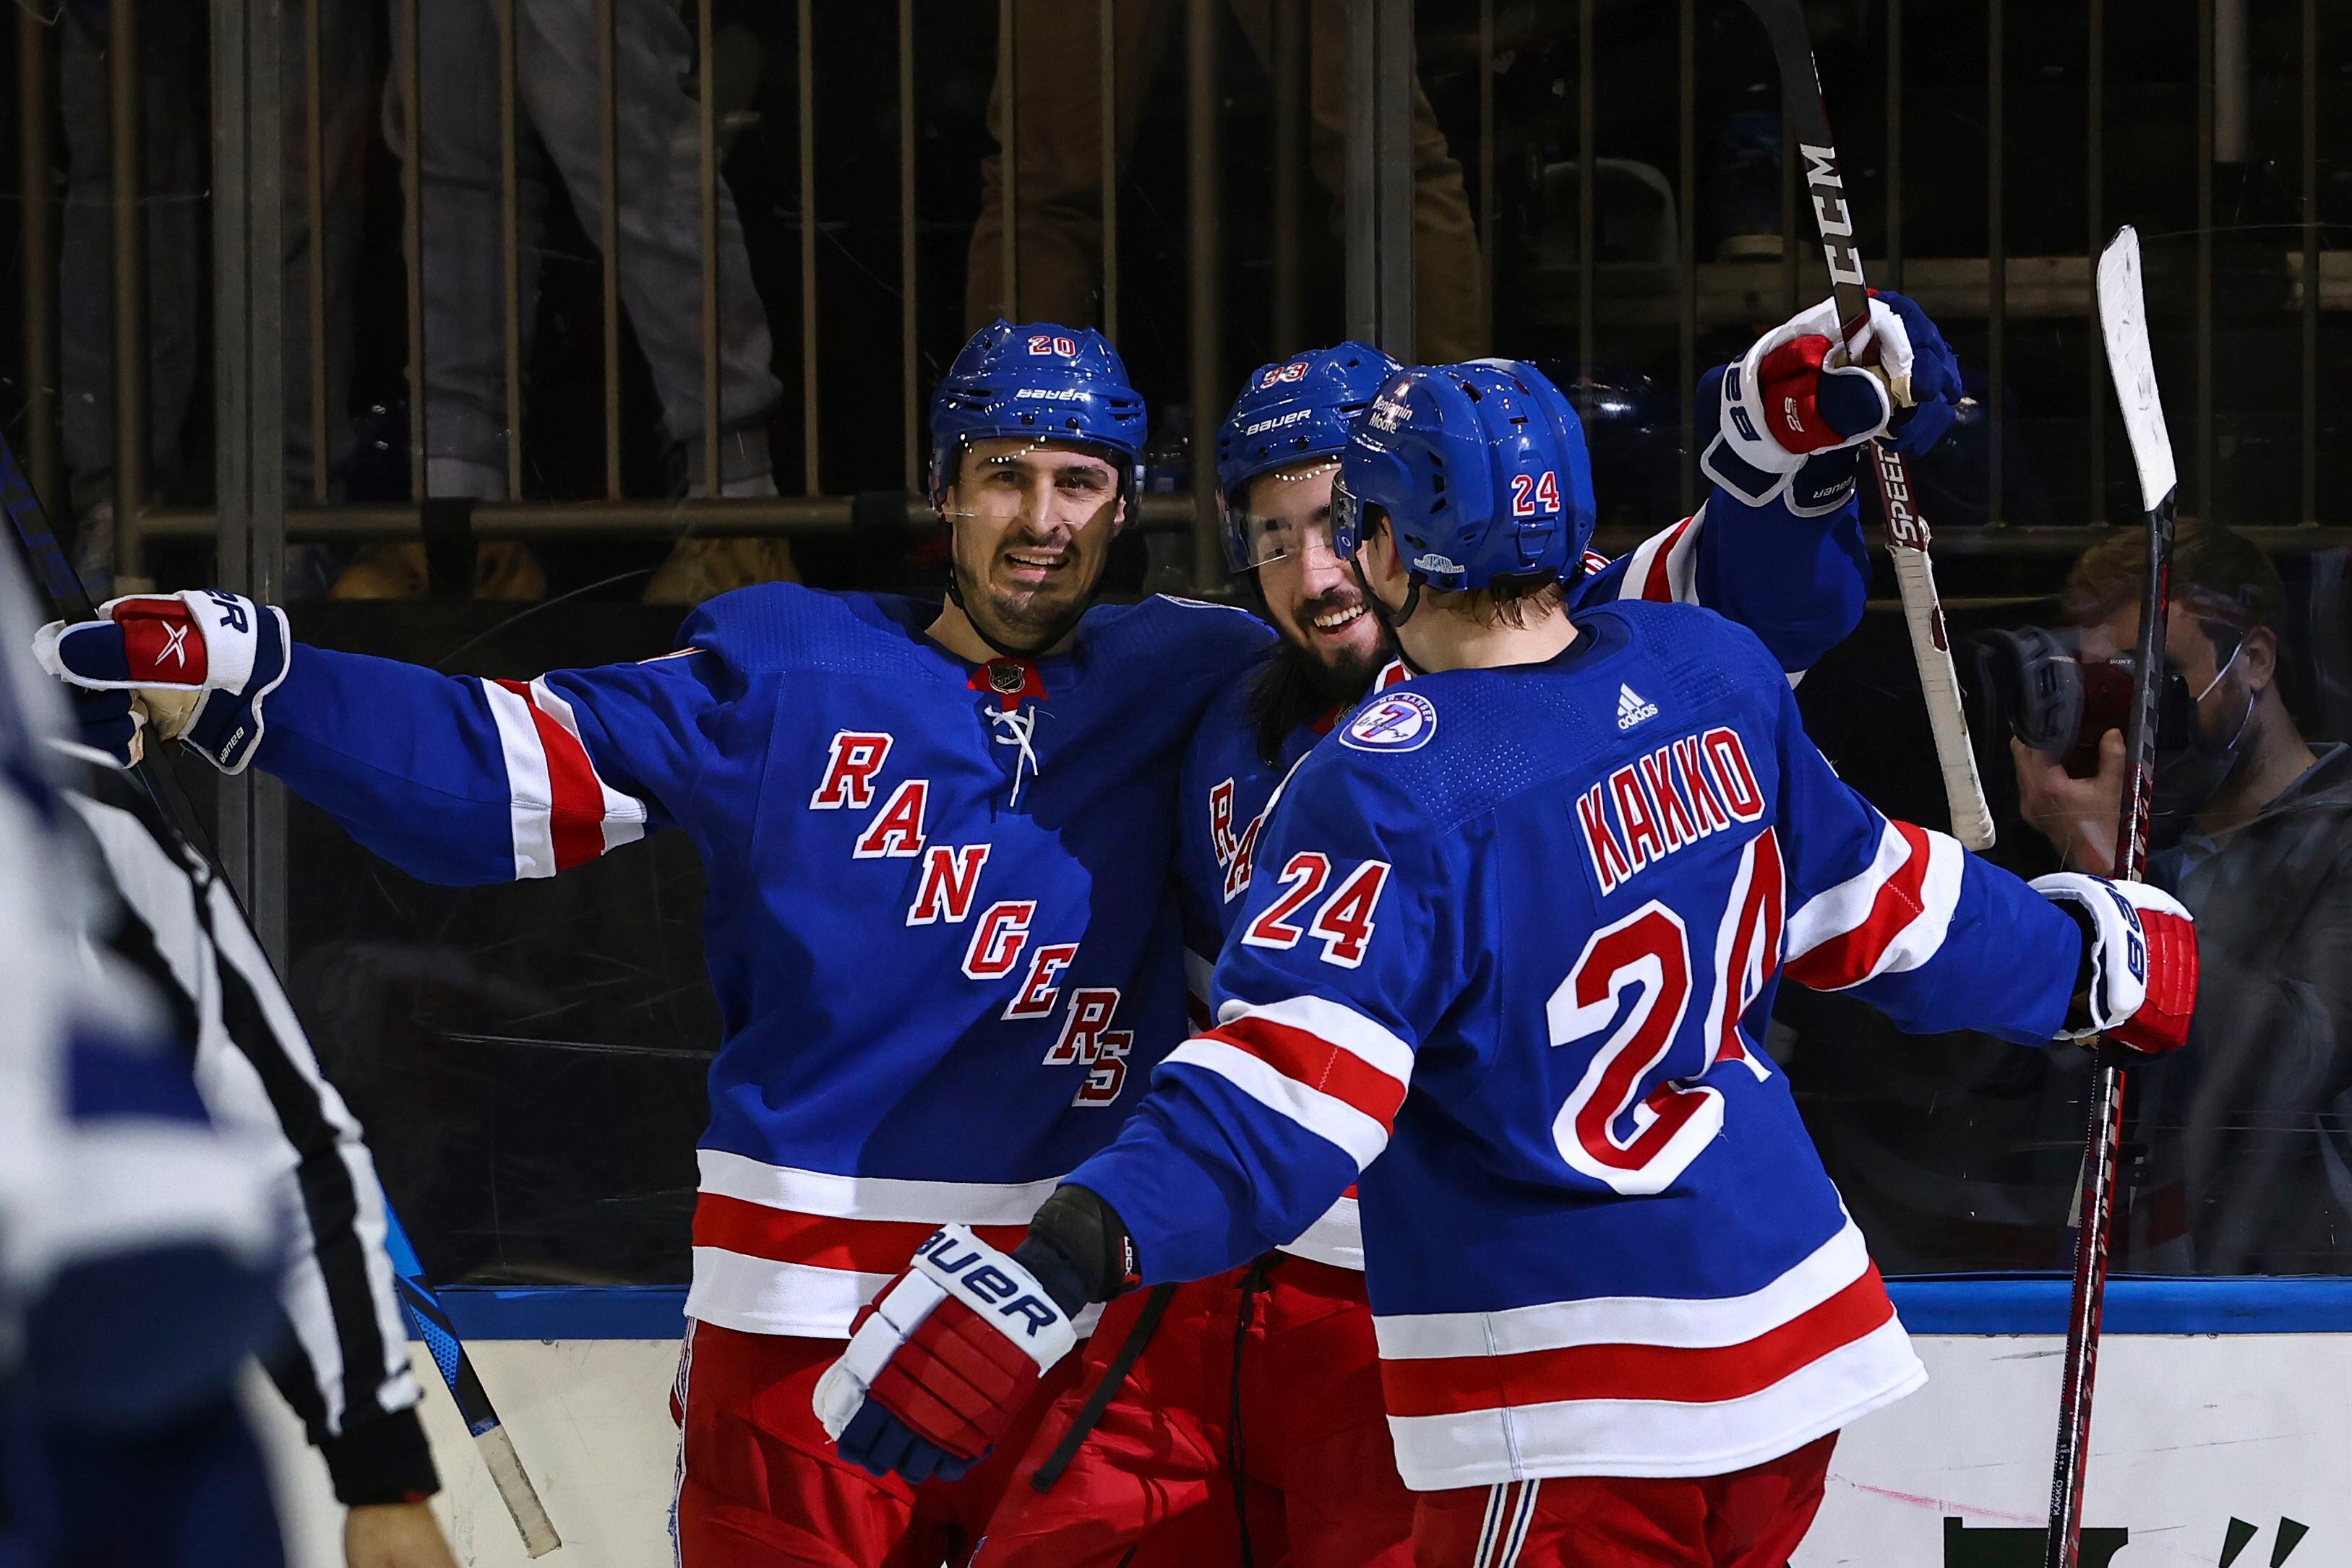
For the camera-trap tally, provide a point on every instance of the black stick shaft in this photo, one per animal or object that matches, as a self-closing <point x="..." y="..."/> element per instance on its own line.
<point x="2104" y="1137"/>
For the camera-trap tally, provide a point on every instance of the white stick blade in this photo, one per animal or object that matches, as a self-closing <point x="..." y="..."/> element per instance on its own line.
<point x="2123" y="321"/>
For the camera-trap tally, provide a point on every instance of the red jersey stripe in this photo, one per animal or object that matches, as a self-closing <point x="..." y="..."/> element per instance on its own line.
<point x="1848" y="959"/>
<point x="1315" y="1062"/>
<point x="820" y="1240"/>
<point x="1658" y="585"/>
<point x="1452" y="1386"/>
<point x="576" y="823"/>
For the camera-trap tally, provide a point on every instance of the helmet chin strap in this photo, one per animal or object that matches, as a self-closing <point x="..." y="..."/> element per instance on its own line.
<point x="1393" y="620"/>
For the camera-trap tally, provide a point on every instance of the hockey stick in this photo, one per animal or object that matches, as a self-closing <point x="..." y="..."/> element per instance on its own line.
<point x="2123" y="323"/>
<point x="440" y="1337"/>
<point x="65" y="593"/>
<point x="1907" y="530"/>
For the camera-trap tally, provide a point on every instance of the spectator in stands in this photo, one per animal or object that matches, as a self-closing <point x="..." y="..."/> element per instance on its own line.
<point x="173" y="185"/>
<point x="1060" y="184"/>
<point x="558" y="111"/>
<point x="2254" y="832"/>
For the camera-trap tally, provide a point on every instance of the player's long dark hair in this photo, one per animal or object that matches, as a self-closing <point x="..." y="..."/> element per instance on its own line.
<point x="1294" y="687"/>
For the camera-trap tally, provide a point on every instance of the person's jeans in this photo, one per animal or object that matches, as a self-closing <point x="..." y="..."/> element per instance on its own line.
<point x="1060" y="186"/>
<point x="559" y="109"/>
<point x="173" y="185"/>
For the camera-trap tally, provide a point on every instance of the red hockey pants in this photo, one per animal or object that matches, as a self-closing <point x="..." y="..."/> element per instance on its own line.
<point x="1321" y="1483"/>
<point x="1749" y="1518"/>
<point x="760" y="1486"/>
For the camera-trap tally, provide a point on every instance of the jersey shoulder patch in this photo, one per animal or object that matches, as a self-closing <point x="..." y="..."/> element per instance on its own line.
<point x="1398" y="719"/>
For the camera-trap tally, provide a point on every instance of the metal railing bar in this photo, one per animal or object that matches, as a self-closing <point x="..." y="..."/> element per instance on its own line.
<point x="1157" y="513"/>
<point x="412" y="188"/>
<point x="2205" y="23"/>
<point x="2094" y="193"/>
<point x="2311" y="262"/>
<point x="1791" y="284"/>
<point x="910" y="408"/>
<point x="628" y="517"/>
<point x="1008" y="73"/>
<point x="1290" y="91"/>
<point x="34" y="104"/>
<point x="1686" y="248"/>
<point x="812" y="415"/>
<point x="1894" y="144"/>
<point x="608" y="235"/>
<point x="126" y="228"/>
<point x="1204" y="199"/>
<point x="1996" y="256"/>
<point x="1486" y="237"/>
<point x="1107" y="128"/>
<point x="1587" y="167"/>
<point x="314" y="198"/>
<point x="709" y="83"/>
<point x="510" y="242"/>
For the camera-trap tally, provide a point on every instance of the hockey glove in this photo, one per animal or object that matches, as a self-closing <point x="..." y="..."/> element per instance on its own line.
<point x="945" y="1357"/>
<point x="220" y="645"/>
<point x="1786" y="401"/>
<point x="2138" y="981"/>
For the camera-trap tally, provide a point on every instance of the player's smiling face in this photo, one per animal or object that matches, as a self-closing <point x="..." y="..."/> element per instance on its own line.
<point x="1310" y="593"/>
<point x="1033" y="522"/>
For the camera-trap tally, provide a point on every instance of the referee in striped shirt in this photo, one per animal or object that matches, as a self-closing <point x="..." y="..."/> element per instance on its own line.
<point x="343" y="1363"/>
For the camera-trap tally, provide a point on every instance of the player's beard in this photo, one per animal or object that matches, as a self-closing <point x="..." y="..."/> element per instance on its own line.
<point x="1021" y="615"/>
<point x="1341" y="673"/>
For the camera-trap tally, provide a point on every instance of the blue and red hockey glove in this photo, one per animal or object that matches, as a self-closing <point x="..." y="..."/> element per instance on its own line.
<point x="2138" y="983"/>
<point x="1785" y="403"/>
<point x="223" y="646"/>
<point x="944" y="1358"/>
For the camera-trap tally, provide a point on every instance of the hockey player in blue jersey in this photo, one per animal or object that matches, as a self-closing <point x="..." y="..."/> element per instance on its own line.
<point x="937" y="840"/>
<point x="1520" y="927"/>
<point x="1284" y="1346"/>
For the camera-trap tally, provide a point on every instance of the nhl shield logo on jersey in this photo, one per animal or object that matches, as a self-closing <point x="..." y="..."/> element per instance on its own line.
<point x="1393" y="721"/>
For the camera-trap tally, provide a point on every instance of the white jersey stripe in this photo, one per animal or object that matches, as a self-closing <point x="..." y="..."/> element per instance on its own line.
<point x="1632" y="1320"/>
<point x="803" y="1301"/>
<point x="1333" y="1120"/>
<point x="1658" y="1437"/>
<point x="1337" y="1237"/>
<point x="871" y="1197"/>
<point x="1329" y="1021"/>
<point x="531" y="797"/>
<point x="1849" y="906"/>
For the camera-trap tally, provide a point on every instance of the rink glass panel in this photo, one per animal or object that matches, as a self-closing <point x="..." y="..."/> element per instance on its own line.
<point x="530" y="1060"/>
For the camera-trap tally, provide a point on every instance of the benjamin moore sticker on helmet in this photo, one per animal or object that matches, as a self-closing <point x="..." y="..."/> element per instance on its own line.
<point x="1393" y="721"/>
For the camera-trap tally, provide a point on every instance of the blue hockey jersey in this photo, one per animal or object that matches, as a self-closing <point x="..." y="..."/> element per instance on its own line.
<point x="1516" y="933"/>
<point x="936" y="927"/>
<point x="1797" y="579"/>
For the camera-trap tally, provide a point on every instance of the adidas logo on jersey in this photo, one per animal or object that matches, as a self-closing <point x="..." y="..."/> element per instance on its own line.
<point x="1632" y="709"/>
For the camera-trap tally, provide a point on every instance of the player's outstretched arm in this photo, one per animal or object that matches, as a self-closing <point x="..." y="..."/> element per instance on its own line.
<point x="451" y="777"/>
<point x="1341" y="964"/>
<point x="1938" y="939"/>
<point x="1783" y="552"/>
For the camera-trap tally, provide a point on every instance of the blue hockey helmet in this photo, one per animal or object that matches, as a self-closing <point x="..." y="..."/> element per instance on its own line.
<point x="1289" y="410"/>
<point x="1481" y="469"/>
<point x="1063" y="384"/>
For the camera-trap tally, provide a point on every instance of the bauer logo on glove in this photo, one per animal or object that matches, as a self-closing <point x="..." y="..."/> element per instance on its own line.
<point x="2139" y="961"/>
<point x="942" y="1361"/>
<point x="208" y="640"/>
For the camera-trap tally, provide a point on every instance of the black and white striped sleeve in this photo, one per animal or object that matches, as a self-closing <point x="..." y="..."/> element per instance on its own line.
<point x="344" y="1366"/>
